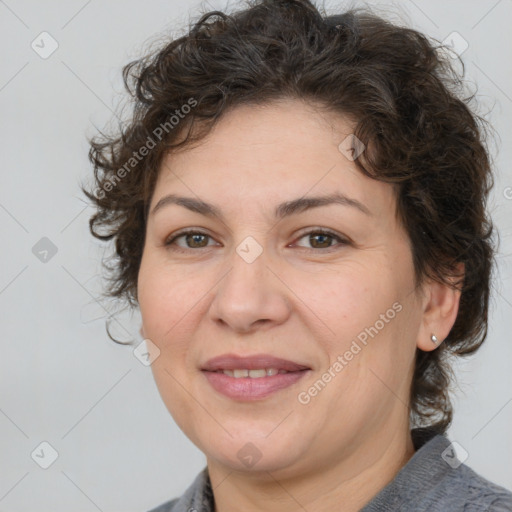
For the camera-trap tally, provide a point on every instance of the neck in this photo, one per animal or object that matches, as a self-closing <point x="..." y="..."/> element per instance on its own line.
<point x="352" y="482"/>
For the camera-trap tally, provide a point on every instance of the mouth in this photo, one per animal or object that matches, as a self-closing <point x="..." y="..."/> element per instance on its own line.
<point x="252" y="374"/>
<point x="252" y="377"/>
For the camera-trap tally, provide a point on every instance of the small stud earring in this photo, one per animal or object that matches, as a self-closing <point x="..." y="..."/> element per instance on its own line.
<point x="434" y="339"/>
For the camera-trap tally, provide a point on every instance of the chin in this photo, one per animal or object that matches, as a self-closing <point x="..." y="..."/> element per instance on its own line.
<point x="254" y="454"/>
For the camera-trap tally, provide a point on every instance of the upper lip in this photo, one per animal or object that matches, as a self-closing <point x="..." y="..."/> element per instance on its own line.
<point x="254" y="362"/>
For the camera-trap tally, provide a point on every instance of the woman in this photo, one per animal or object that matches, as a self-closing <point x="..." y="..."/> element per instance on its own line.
<point x="298" y="206"/>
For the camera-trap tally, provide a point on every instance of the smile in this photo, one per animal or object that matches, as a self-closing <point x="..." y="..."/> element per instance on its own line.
<point x="255" y="377"/>
<point x="253" y="374"/>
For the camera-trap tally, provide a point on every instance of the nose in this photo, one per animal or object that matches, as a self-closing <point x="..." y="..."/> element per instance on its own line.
<point x="250" y="295"/>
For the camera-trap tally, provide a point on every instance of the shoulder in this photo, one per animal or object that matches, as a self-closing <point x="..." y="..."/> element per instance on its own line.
<point x="462" y="486"/>
<point x="435" y="480"/>
<point x="449" y="484"/>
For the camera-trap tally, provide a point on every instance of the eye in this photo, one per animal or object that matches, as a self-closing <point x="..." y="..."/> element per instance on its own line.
<point x="318" y="238"/>
<point x="322" y="238"/>
<point x="193" y="240"/>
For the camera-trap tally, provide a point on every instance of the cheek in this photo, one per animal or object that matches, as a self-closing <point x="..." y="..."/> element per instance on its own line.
<point x="367" y="310"/>
<point x="169" y="302"/>
<point x="166" y="297"/>
<point x="348" y="299"/>
<point x="172" y="301"/>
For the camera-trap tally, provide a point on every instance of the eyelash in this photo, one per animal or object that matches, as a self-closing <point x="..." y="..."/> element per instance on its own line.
<point x="170" y="243"/>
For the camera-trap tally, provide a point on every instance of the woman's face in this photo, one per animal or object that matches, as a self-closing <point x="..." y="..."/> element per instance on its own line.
<point x="264" y="279"/>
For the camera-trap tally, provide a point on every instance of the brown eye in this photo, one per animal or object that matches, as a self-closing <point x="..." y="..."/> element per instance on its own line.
<point x="193" y="240"/>
<point x="320" y="239"/>
<point x="323" y="240"/>
<point x="196" y="240"/>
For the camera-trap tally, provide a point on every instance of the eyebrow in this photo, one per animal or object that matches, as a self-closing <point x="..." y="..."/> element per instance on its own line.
<point x="283" y="210"/>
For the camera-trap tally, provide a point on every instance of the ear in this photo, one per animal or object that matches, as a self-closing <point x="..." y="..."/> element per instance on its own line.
<point x="440" y="308"/>
<point x="141" y="330"/>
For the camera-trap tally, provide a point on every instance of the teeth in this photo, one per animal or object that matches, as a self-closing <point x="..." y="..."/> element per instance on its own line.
<point x="256" y="374"/>
<point x="253" y="374"/>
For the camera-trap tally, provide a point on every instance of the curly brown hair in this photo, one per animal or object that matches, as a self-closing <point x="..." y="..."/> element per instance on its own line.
<point x="410" y="110"/>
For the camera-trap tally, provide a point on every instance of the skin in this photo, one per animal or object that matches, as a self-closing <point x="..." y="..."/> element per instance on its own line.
<point x="303" y="298"/>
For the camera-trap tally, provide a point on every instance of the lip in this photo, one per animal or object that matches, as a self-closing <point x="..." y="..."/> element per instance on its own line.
<point x="254" y="362"/>
<point x="247" y="388"/>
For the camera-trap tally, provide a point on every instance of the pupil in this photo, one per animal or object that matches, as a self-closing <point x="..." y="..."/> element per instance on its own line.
<point x="196" y="238"/>
<point x="322" y="238"/>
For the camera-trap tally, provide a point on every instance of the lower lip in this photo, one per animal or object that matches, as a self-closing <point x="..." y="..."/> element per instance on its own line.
<point x="247" y="388"/>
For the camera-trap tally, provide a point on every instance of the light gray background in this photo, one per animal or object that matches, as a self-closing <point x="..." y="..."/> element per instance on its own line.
<point x="62" y="380"/>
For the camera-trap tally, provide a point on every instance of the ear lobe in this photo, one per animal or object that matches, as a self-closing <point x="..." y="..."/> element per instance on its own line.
<point x="441" y="306"/>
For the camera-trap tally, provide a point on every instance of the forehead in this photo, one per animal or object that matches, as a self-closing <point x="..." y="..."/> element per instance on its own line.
<point x="268" y="154"/>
